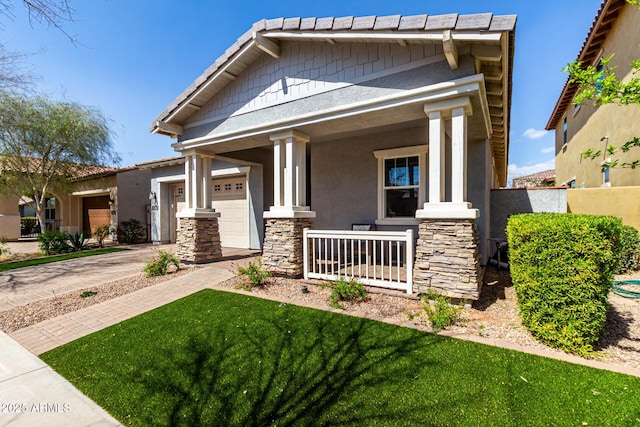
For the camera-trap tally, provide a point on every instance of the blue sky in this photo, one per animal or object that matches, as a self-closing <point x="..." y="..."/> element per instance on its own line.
<point x="135" y="57"/>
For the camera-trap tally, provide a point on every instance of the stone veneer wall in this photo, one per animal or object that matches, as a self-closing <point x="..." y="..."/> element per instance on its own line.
<point x="198" y="240"/>
<point x="447" y="258"/>
<point x="282" y="248"/>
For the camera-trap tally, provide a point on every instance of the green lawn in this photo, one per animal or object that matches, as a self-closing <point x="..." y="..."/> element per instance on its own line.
<point x="218" y="358"/>
<point x="55" y="258"/>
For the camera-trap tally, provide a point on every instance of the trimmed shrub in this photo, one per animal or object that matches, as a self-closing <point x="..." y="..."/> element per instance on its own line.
<point x="630" y="256"/>
<point x="562" y="266"/>
<point x="131" y="231"/>
<point x="255" y="274"/>
<point x="27" y="224"/>
<point x="345" y="289"/>
<point x="53" y="242"/>
<point x="101" y="233"/>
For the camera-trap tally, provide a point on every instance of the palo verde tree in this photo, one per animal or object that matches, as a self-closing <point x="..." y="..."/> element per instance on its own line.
<point x="46" y="144"/>
<point x="602" y="86"/>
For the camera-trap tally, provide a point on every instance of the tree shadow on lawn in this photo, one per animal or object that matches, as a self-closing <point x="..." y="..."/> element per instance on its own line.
<point x="290" y="378"/>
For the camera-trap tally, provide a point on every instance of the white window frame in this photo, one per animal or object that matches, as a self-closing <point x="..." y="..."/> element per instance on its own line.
<point x="419" y="151"/>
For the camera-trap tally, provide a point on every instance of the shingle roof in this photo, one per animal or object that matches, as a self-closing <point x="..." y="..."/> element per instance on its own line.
<point x="602" y="23"/>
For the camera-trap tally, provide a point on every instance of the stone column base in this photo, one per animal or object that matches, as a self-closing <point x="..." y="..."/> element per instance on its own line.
<point x="282" y="248"/>
<point x="198" y="239"/>
<point x="447" y="258"/>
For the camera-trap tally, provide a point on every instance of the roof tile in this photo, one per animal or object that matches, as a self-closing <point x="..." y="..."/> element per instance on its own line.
<point x="343" y="23"/>
<point x="363" y="22"/>
<point x="274" y="24"/>
<point x="387" y="22"/>
<point x="324" y="23"/>
<point x="308" y="23"/>
<point x="441" y="22"/>
<point x="291" y="24"/>
<point x="415" y="22"/>
<point x="479" y="21"/>
<point x="503" y="23"/>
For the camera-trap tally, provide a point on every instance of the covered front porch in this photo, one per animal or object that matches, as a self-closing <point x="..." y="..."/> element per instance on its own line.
<point x="383" y="197"/>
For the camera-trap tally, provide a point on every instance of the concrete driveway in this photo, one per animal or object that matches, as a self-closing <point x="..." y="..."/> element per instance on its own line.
<point x="24" y="285"/>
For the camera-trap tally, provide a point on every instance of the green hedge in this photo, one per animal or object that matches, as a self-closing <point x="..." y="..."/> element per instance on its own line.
<point x="562" y="267"/>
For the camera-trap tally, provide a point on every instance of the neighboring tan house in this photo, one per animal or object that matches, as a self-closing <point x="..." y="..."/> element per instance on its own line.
<point x="364" y="127"/>
<point x="240" y="223"/>
<point x="614" y="191"/>
<point x="538" y="179"/>
<point x="105" y="196"/>
<point x="9" y="217"/>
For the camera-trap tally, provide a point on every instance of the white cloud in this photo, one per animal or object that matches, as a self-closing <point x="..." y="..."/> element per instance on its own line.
<point x="532" y="133"/>
<point x="515" y="171"/>
<point x="547" y="150"/>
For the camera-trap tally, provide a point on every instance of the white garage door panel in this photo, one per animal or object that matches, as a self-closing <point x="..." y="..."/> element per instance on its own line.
<point x="230" y="199"/>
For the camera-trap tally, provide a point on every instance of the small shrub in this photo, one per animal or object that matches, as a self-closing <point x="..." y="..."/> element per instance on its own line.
<point x="53" y="242"/>
<point x="76" y="241"/>
<point x="101" y="233"/>
<point x="159" y="266"/>
<point x="630" y="255"/>
<point x="443" y="313"/>
<point x="27" y="224"/>
<point x="562" y="268"/>
<point x="3" y="246"/>
<point x="131" y="231"/>
<point x="255" y="274"/>
<point x="346" y="290"/>
<point x="86" y="294"/>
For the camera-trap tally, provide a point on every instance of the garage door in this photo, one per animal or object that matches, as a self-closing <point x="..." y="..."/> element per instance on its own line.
<point x="95" y="212"/>
<point x="230" y="199"/>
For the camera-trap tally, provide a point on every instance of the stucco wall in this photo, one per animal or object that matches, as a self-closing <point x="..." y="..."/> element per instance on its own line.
<point x="588" y="124"/>
<point x="506" y="202"/>
<point x="9" y="217"/>
<point x="621" y="202"/>
<point x="133" y="195"/>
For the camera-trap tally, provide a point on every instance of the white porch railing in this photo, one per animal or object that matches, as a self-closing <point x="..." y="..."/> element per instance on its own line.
<point x="374" y="258"/>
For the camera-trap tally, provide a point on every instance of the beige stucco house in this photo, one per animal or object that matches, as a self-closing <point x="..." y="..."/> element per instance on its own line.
<point x="614" y="191"/>
<point x="105" y="196"/>
<point x="361" y="128"/>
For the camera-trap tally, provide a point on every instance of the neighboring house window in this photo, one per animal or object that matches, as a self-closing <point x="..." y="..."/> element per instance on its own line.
<point x="599" y="68"/>
<point x="572" y="183"/>
<point x="401" y="180"/>
<point x="564" y="130"/>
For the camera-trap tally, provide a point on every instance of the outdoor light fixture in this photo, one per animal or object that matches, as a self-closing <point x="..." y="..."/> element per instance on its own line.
<point x="112" y="201"/>
<point x="152" y="196"/>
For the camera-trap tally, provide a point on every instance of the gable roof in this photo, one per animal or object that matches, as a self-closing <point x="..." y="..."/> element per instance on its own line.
<point x="600" y="27"/>
<point x="253" y="42"/>
<point x="265" y="35"/>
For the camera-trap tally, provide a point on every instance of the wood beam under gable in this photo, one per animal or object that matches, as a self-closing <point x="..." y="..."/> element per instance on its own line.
<point x="168" y="129"/>
<point x="450" y="50"/>
<point x="268" y="46"/>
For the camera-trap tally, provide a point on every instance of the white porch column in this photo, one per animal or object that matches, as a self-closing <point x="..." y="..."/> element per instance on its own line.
<point x="436" y="157"/>
<point x="458" y="155"/>
<point x="197" y="182"/>
<point x="289" y="176"/>
<point x="457" y="110"/>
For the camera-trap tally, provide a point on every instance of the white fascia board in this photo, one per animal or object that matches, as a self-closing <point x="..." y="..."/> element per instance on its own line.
<point x="380" y="36"/>
<point x="92" y="192"/>
<point x="455" y="88"/>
